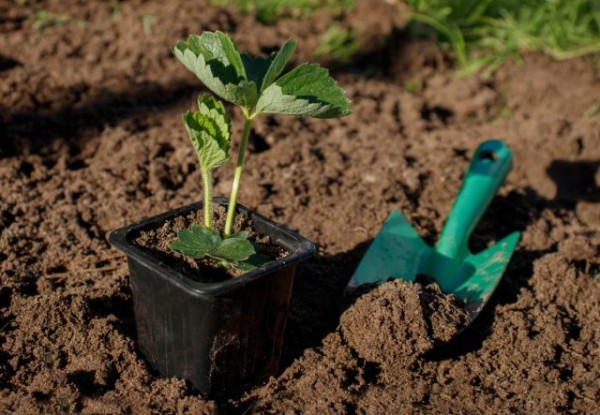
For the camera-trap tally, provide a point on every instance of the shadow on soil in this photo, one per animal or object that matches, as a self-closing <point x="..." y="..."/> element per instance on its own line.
<point x="33" y="132"/>
<point x="6" y="326"/>
<point x="120" y="305"/>
<point x="317" y="300"/>
<point x="575" y="181"/>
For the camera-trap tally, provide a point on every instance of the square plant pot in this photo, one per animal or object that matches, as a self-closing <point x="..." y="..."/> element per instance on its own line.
<point x="221" y="336"/>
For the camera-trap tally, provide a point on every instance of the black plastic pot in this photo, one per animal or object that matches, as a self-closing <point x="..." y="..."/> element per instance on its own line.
<point x="221" y="336"/>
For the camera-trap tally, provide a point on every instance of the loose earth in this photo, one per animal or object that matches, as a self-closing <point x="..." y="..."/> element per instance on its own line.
<point x="91" y="139"/>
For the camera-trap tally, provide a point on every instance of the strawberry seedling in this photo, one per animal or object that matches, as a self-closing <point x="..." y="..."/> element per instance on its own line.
<point x="256" y="85"/>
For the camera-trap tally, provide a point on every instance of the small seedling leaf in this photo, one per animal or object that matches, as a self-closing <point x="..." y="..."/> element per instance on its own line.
<point x="234" y="249"/>
<point x="196" y="243"/>
<point x="210" y="132"/>
<point x="306" y="91"/>
<point x="214" y="111"/>
<point x="254" y="261"/>
<point x="199" y="242"/>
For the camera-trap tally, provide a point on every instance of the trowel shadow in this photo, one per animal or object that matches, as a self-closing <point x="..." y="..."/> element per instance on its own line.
<point x="513" y="212"/>
<point x="575" y="181"/>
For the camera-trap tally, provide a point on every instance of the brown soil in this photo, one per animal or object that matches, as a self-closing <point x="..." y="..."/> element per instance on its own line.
<point x="398" y="321"/>
<point x="384" y="334"/>
<point x="91" y="139"/>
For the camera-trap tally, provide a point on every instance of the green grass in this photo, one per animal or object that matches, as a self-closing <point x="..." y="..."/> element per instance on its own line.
<point x="268" y="11"/>
<point x="338" y="43"/>
<point x="594" y="110"/>
<point x="147" y="23"/>
<point x="44" y="19"/>
<point x="482" y="34"/>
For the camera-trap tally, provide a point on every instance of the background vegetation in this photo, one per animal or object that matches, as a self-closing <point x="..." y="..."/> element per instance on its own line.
<point x="480" y="34"/>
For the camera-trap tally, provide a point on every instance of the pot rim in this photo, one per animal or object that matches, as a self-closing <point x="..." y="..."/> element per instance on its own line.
<point x="299" y="248"/>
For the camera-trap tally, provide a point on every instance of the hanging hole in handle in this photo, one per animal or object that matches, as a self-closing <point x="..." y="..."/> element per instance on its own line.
<point x="488" y="155"/>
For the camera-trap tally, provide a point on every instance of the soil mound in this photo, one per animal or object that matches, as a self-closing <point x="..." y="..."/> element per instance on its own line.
<point x="399" y="321"/>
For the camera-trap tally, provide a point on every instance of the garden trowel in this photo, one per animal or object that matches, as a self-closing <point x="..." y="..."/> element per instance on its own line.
<point x="399" y="252"/>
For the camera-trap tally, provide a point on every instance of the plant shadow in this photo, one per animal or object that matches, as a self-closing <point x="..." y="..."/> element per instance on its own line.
<point x="76" y="122"/>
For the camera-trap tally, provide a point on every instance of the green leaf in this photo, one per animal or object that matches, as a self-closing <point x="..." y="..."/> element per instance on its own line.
<point x="234" y="249"/>
<point x="278" y="64"/>
<point x="216" y="47"/>
<point x="254" y="261"/>
<point x="213" y="110"/>
<point x="215" y="60"/>
<point x="263" y="71"/>
<point x="210" y="132"/>
<point x="256" y="67"/>
<point x="195" y="243"/>
<point x="306" y="91"/>
<point x="200" y="242"/>
<point x="242" y="234"/>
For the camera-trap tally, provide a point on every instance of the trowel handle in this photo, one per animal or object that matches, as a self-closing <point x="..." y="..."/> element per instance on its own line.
<point x="489" y="167"/>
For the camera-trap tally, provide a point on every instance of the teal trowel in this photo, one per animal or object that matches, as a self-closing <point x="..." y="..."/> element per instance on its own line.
<point x="399" y="252"/>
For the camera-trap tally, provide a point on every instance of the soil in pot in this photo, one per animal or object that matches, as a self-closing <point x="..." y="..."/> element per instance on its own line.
<point x="158" y="239"/>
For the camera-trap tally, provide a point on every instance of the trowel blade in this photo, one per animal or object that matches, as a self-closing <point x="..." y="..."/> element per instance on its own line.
<point x="399" y="252"/>
<point x="396" y="252"/>
<point x="483" y="271"/>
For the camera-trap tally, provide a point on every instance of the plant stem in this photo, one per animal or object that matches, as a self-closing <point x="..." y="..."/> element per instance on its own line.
<point x="239" y="167"/>
<point x="207" y="198"/>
